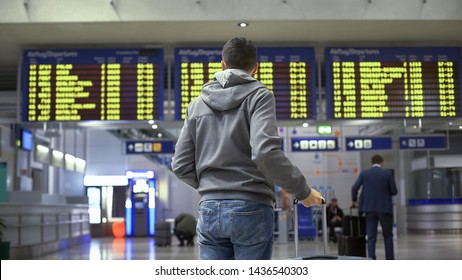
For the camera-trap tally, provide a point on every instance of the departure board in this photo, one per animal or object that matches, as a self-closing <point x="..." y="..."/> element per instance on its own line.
<point x="373" y="83"/>
<point x="287" y="72"/>
<point x="92" y="84"/>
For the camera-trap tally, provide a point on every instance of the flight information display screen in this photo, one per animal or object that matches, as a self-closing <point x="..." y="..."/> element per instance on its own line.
<point x="374" y="83"/>
<point x="287" y="72"/>
<point x="92" y="84"/>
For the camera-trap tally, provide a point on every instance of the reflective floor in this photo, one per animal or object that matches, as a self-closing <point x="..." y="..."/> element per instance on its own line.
<point x="407" y="247"/>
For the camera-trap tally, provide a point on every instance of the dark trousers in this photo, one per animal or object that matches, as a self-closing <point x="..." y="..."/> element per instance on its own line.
<point x="386" y="222"/>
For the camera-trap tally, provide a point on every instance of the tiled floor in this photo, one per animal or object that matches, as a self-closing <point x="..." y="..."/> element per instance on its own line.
<point x="407" y="247"/>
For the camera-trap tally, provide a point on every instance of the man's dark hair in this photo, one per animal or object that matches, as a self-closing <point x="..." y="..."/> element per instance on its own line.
<point x="377" y="159"/>
<point x="240" y="53"/>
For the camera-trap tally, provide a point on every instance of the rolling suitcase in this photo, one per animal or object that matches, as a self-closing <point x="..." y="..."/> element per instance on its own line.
<point x="354" y="242"/>
<point x="351" y="227"/>
<point x="325" y="255"/>
<point x="163" y="235"/>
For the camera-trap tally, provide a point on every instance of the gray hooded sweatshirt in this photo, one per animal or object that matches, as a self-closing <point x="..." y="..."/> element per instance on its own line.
<point x="229" y="146"/>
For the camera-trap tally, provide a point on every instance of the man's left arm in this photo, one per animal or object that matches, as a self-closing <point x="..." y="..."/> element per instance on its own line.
<point x="183" y="162"/>
<point x="355" y="189"/>
<point x="392" y="185"/>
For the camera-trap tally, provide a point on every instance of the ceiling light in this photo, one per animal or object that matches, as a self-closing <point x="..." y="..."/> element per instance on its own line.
<point x="155" y="126"/>
<point x="151" y="122"/>
<point x="305" y="124"/>
<point x="242" y="24"/>
<point x="159" y="135"/>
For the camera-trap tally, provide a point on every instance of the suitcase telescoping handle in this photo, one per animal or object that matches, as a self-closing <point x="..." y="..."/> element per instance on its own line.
<point x="324" y="226"/>
<point x="351" y="221"/>
<point x="296" y="227"/>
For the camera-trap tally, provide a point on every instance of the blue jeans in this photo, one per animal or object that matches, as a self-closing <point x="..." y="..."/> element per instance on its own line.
<point x="235" y="229"/>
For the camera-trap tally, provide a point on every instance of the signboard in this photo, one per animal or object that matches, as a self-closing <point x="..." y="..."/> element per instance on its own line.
<point x="422" y="142"/>
<point x="368" y="143"/>
<point x="378" y="83"/>
<point x="289" y="73"/>
<point x="92" y="84"/>
<point x="149" y="147"/>
<point x="315" y="144"/>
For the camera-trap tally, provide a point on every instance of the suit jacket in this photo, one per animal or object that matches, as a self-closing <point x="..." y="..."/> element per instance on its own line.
<point x="378" y="187"/>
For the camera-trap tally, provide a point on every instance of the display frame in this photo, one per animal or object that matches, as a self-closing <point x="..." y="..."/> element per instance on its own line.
<point x="99" y="55"/>
<point x="265" y="54"/>
<point x="396" y="54"/>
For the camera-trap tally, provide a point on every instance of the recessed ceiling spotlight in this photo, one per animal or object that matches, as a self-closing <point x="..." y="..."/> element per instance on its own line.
<point x="242" y="24"/>
<point x="155" y="126"/>
<point x="151" y="122"/>
<point x="159" y="135"/>
<point x="305" y="124"/>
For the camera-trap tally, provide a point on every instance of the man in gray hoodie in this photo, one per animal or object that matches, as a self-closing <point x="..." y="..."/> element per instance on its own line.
<point x="229" y="150"/>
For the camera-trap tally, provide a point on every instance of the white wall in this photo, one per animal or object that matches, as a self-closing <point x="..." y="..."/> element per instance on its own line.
<point x="106" y="156"/>
<point x="183" y="197"/>
<point x="333" y="173"/>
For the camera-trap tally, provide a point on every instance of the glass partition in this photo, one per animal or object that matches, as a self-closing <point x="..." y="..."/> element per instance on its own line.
<point x="436" y="183"/>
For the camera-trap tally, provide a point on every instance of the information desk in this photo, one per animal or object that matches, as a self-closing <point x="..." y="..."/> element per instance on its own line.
<point x="92" y="84"/>
<point x="435" y="215"/>
<point x="377" y="83"/>
<point x="287" y="72"/>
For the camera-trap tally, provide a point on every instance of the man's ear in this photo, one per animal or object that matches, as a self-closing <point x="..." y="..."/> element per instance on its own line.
<point x="223" y="65"/>
<point x="255" y="69"/>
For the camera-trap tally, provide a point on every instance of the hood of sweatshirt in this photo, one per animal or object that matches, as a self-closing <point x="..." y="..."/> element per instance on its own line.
<point x="229" y="89"/>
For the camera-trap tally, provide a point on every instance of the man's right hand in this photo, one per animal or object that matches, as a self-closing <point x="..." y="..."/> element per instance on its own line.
<point x="314" y="199"/>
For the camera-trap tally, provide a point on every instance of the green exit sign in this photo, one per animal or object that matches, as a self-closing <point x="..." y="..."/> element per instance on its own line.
<point x="324" y="129"/>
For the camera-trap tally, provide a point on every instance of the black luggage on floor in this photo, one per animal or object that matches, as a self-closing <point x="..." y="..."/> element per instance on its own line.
<point x="352" y="246"/>
<point x="350" y="225"/>
<point x="352" y="242"/>
<point x="163" y="234"/>
<point x="324" y="256"/>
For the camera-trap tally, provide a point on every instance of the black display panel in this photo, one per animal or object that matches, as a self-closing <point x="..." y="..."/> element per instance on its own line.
<point x="92" y="84"/>
<point x="377" y="83"/>
<point x="288" y="72"/>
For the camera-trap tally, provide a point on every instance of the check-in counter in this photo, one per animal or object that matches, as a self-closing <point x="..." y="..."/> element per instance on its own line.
<point x="37" y="229"/>
<point x="435" y="194"/>
<point x="434" y="215"/>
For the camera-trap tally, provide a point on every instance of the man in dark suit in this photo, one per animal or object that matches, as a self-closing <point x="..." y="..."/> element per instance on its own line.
<point x="378" y="187"/>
